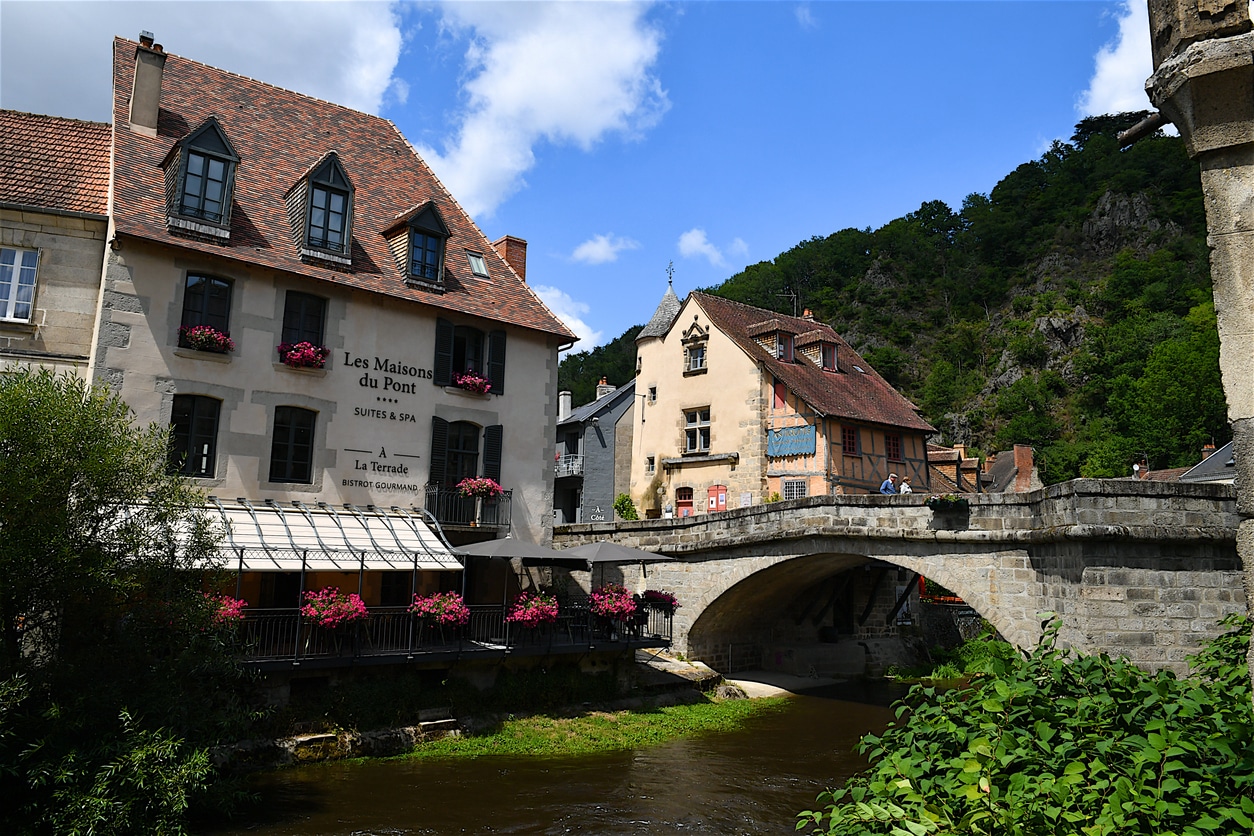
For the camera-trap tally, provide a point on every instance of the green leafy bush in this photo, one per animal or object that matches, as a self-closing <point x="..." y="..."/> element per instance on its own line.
<point x="625" y="508"/>
<point x="1058" y="745"/>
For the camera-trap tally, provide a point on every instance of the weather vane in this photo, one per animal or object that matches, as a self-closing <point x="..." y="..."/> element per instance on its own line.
<point x="670" y="273"/>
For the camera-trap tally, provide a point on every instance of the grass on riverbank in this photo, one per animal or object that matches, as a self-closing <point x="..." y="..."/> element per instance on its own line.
<point x="598" y="731"/>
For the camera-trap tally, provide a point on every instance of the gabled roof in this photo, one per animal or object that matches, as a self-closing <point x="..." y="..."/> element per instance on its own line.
<point x="48" y="162"/>
<point x="279" y="135"/>
<point x="582" y="413"/>
<point x="1219" y="466"/>
<point x="663" y="317"/>
<point x="856" y="392"/>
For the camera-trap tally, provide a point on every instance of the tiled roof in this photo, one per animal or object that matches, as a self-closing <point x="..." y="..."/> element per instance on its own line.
<point x="54" y="163"/>
<point x="855" y="395"/>
<point x="279" y="135"/>
<point x="663" y="317"/>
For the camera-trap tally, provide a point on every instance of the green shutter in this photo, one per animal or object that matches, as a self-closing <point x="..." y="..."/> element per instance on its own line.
<point x="439" y="450"/>
<point x="492" y="440"/>
<point x="496" y="362"/>
<point x="443" y="352"/>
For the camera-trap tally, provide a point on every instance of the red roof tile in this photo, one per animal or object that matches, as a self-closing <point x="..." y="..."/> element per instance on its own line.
<point x="279" y="135"/>
<point x="849" y="393"/>
<point x="54" y="163"/>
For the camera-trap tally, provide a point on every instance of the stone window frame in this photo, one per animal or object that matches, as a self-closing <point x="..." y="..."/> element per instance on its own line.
<point x="697" y="430"/>
<point x="189" y="317"/>
<point x="696" y="342"/>
<point x="11" y="298"/>
<point x="650" y="464"/>
<point x="295" y="304"/>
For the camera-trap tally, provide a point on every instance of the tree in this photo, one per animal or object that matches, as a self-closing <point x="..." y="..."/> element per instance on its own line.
<point x="108" y="656"/>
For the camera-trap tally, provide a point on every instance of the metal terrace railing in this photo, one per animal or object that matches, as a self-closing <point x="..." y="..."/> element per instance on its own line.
<point x="569" y="465"/>
<point x="449" y="507"/>
<point x="281" y="637"/>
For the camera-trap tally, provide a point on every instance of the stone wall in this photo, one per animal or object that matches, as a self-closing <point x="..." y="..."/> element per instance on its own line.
<point x="67" y="289"/>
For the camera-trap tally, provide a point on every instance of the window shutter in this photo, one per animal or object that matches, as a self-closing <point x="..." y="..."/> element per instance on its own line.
<point x="496" y="361"/>
<point x="439" y="450"/>
<point x="443" y="352"/>
<point x="492" y="439"/>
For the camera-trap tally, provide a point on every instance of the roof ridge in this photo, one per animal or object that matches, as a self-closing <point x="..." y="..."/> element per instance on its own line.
<point x="54" y="116"/>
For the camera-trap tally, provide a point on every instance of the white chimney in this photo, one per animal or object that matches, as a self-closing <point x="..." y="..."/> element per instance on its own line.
<point x="563" y="406"/>
<point x="604" y="388"/>
<point x="146" y="86"/>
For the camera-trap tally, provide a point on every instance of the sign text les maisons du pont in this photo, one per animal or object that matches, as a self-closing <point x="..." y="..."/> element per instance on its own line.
<point x="392" y="374"/>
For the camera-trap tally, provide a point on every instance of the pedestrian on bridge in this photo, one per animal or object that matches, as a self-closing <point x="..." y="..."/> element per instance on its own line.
<point x="889" y="485"/>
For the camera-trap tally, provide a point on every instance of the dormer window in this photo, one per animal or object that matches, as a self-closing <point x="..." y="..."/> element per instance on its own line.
<point x="330" y="207"/>
<point x="203" y="181"/>
<point x="695" y="341"/>
<point x="829" y="357"/>
<point x="417" y="241"/>
<point x="784" y="346"/>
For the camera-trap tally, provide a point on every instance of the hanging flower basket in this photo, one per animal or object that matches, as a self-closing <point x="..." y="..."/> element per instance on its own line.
<point x="332" y="609"/>
<point x="443" y="609"/>
<point x="532" y="609"/>
<point x="227" y="611"/>
<point x="613" y="601"/>
<point x="205" y="338"/>
<point x="663" y="599"/>
<point x="303" y="355"/>
<point x="472" y="382"/>
<point x="947" y="503"/>
<point x="479" y="486"/>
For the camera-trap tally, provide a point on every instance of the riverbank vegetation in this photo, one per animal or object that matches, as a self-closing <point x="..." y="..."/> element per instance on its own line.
<point x="589" y="732"/>
<point x="1053" y="744"/>
<point x="984" y="654"/>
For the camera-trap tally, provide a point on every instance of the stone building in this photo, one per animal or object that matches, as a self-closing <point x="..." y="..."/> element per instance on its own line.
<point x="333" y="341"/>
<point x="54" y="178"/>
<point x="593" y="459"/>
<point x="739" y="404"/>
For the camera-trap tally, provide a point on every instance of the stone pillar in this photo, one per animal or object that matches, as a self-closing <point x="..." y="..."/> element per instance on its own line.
<point x="1204" y="83"/>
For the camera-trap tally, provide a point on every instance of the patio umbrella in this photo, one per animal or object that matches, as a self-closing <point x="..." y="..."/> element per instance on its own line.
<point x="607" y="551"/>
<point x="511" y="547"/>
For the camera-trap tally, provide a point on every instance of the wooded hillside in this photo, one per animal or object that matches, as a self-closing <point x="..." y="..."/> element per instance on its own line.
<point x="1069" y="309"/>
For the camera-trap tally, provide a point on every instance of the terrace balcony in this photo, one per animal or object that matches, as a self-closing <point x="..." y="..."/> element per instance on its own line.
<point x="449" y="507"/>
<point x="568" y="465"/>
<point x="281" y="639"/>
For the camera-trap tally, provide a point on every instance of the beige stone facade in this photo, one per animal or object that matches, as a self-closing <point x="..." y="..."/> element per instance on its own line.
<point x="70" y="248"/>
<point x="708" y="409"/>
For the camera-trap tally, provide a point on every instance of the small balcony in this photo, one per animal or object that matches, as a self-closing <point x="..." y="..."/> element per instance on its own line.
<point x="451" y="508"/>
<point x="568" y="465"/>
<point x="275" y="639"/>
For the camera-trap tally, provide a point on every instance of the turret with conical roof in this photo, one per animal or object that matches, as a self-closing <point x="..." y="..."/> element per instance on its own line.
<point x="665" y="314"/>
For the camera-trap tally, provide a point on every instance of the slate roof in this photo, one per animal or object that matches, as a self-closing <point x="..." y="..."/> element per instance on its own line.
<point x="1217" y="467"/>
<point x="279" y="135"/>
<point x="582" y="413"/>
<point x="54" y="163"/>
<point x="663" y="317"/>
<point x="850" y="394"/>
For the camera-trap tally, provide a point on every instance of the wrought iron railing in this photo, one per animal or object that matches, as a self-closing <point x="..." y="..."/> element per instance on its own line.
<point x="568" y="465"/>
<point x="451" y="508"/>
<point x="284" y="635"/>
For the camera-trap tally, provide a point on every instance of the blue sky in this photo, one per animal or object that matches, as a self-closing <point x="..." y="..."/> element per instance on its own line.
<point x="619" y="137"/>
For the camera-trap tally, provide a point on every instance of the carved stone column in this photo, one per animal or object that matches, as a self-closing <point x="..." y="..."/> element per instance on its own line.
<point x="1204" y="83"/>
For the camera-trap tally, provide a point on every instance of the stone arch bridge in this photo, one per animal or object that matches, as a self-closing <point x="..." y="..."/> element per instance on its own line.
<point x="1141" y="569"/>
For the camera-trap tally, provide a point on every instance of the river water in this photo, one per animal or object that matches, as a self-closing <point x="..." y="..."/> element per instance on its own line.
<point x="750" y="781"/>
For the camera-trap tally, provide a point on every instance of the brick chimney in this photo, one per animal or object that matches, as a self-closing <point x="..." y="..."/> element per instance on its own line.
<point x="146" y="89"/>
<point x="1025" y="469"/>
<point x="604" y="388"/>
<point x="807" y="314"/>
<point x="1208" y="450"/>
<point x="514" y="251"/>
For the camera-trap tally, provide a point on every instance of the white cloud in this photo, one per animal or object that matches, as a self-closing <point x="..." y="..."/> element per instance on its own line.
<point x="570" y="312"/>
<point x="805" y="17"/>
<point x="344" y="52"/>
<point x="1122" y="66"/>
<point x="556" y="72"/>
<point x="601" y="249"/>
<point x="694" y="244"/>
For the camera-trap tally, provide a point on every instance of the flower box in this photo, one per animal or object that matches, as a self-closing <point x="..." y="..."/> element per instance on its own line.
<point x="303" y="355"/>
<point x="479" y="486"/>
<point x="205" y="338"/>
<point x="947" y="503"/>
<point x="332" y="609"/>
<point x="532" y="609"/>
<point x="441" y="609"/>
<point x="613" y="601"/>
<point x="665" y="600"/>
<point x="472" y="382"/>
